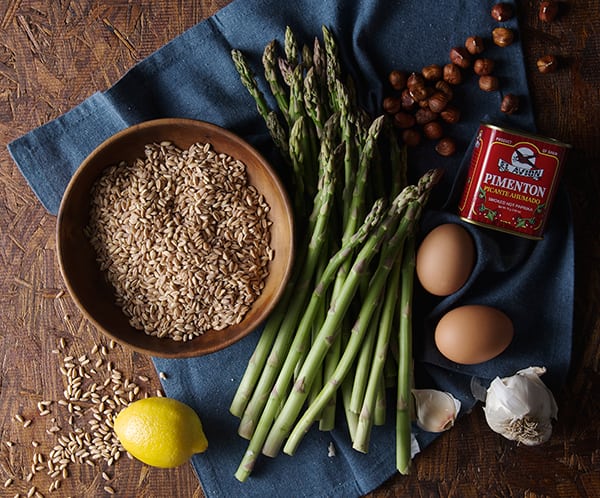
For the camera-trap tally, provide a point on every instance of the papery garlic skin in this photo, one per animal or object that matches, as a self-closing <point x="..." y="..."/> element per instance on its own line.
<point x="521" y="407"/>
<point x="436" y="410"/>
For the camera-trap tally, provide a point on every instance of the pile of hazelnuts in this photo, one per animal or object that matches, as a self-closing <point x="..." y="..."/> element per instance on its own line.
<point x="421" y="104"/>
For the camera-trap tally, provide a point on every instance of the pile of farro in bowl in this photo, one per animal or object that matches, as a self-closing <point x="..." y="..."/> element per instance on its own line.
<point x="175" y="238"/>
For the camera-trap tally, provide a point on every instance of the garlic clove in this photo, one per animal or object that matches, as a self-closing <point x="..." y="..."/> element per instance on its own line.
<point x="521" y="407"/>
<point x="436" y="410"/>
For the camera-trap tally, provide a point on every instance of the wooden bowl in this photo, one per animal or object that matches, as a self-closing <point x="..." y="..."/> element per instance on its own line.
<point x="77" y="259"/>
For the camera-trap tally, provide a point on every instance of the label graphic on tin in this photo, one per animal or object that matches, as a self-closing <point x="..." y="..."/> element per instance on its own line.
<point x="511" y="182"/>
<point x="522" y="163"/>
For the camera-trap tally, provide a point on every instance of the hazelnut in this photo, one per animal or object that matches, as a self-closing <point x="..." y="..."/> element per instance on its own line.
<point x="444" y="87"/>
<point x="392" y="104"/>
<point x="433" y="130"/>
<point x="438" y="102"/>
<point x="548" y="11"/>
<point x="502" y="12"/>
<point x="446" y="147"/>
<point x="397" y="79"/>
<point x="503" y="36"/>
<point x="432" y="72"/>
<point x="404" y="120"/>
<point x="450" y="114"/>
<point x="488" y="83"/>
<point x="474" y="45"/>
<point x="452" y="74"/>
<point x="414" y="80"/>
<point x="510" y="104"/>
<point x="420" y="92"/>
<point x="424" y="116"/>
<point x="407" y="101"/>
<point x="483" y="66"/>
<point x="547" y="64"/>
<point x="460" y="56"/>
<point x="411" y="137"/>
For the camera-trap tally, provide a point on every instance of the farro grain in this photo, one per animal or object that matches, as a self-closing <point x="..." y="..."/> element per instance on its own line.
<point x="170" y="226"/>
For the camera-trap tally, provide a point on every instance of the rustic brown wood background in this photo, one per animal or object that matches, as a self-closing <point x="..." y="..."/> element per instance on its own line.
<point x="55" y="53"/>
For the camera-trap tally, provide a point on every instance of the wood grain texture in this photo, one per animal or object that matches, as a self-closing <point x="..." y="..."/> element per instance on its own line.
<point x="55" y="54"/>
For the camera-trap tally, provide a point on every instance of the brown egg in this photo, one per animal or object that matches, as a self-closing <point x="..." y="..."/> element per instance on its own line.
<point x="445" y="259"/>
<point x="473" y="334"/>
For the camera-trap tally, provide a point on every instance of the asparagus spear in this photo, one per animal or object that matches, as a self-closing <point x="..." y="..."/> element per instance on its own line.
<point x="405" y="361"/>
<point x="312" y="100"/>
<point x="290" y="46"/>
<point x="368" y="402"/>
<point x="364" y="363"/>
<point x="375" y="383"/>
<point x="403" y="432"/>
<point x="299" y="160"/>
<point x="333" y="69"/>
<point x="287" y="369"/>
<point x="370" y="304"/>
<point x="330" y="328"/>
<point x="249" y="81"/>
<point x="278" y="135"/>
<point x="260" y="355"/>
<point x="270" y="65"/>
<point x="321" y="212"/>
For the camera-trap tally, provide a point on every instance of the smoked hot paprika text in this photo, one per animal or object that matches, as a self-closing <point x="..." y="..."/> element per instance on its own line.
<point x="512" y="180"/>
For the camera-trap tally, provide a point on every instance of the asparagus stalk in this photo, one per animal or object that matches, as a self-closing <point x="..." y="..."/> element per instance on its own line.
<point x="312" y="100"/>
<point x="403" y="422"/>
<point x="286" y="70"/>
<point x="333" y="69"/>
<point x="330" y="328"/>
<point x="352" y="205"/>
<point x="321" y="214"/>
<point x="296" y="108"/>
<point x="278" y="134"/>
<point x="299" y="159"/>
<point x="262" y="351"/>
<point x="296" y="350"/>
<point x="374" y="395"/>
<point x="363" y="366"/>
<point x="260" y="355"/>
<point x="380" y="404"/>
<point x="249" y="81"/>
<point x="290" y="46"/>
<point x="351" y="417"/>
<point x="373" y="387"/>
<point x="371" y="302"/>
<point x="319" y="63"/>
<point x="270" y="65"/>
<point x="350" y="158"/>
<point x="405" y="361"/>
<point x="307" y="57"/>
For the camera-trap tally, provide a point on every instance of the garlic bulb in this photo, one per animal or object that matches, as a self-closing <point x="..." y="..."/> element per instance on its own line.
<point x="521" y="407"/>
<point x="436" y="410"/>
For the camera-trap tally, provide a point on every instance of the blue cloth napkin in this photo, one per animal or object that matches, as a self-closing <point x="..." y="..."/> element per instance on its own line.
<point x="192" y="76"/>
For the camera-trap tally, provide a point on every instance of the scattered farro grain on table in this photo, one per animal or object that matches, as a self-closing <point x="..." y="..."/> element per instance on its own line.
<point x="183" y="237"/>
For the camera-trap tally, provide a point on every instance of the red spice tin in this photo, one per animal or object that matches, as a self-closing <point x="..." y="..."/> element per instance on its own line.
<point x="512" y="180"/>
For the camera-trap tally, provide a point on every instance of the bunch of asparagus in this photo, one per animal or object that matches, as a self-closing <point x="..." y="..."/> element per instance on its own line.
<point x="351" y="288"/>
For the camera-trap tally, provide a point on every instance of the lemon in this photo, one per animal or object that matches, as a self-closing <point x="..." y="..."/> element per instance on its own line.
<point x="162" y="432"/>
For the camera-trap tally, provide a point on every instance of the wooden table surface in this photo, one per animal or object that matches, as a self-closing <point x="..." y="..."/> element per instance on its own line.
<point x="54" y="54"/>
